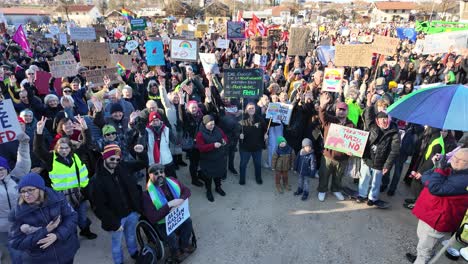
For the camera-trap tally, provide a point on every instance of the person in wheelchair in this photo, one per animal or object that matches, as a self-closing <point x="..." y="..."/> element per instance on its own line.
<point x="162" y="195"/>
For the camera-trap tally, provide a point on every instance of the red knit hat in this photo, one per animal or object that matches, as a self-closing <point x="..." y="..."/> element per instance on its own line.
<point x="152" y="116"/>
<point x="111" y="150"/>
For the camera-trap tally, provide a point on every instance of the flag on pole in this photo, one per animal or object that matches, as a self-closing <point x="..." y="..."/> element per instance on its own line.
<point x="126" y="13"/>
<point x="120" y="68"/>
<point x="20" y="38"/>
<point x="118" y="35"/>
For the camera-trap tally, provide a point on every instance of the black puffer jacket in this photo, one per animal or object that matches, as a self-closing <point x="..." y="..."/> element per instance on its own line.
<point x="383" y="145"/>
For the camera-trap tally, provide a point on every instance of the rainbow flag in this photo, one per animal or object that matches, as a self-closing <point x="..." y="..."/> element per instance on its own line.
<point x="120" y="68"/>
<point x="126" y="13"/>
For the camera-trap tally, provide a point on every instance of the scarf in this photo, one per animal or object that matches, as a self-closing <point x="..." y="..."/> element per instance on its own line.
<point x="157" y="195"/>
<point x="157" y="140"/>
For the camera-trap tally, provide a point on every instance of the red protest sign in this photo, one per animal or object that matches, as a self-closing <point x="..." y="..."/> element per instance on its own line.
<point x="42" y="82"/>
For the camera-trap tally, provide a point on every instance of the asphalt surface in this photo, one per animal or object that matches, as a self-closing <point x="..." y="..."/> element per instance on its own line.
<point x="254" y="224"/>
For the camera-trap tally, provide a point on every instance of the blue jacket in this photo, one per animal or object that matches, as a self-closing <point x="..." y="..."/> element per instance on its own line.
<point x="305" y="164"/>
<point x="63" y="250"/>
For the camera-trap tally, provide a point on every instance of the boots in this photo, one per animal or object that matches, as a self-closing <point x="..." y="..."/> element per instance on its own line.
<point x="305" y="195"/>
<point x="298" y="192"/>
<point x="218" y="187"/>
<point x="209" y="194"/>
<point x="180" y="161"/>
<point x="286" y="185"/>
<point x="196" y="178"/>
<point x="87" y="233"/>
<point x="279" y="189"/>
<point x="174" y="160"/>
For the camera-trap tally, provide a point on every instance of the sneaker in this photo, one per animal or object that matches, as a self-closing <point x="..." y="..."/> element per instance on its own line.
<point x="339" y="196"/>
<point x="209" y="196"/>
<point x="242" y="182"/>
<point x="410" y="257"/>
<point x="321" y="196"/>
<point x="233" y="171"/>
<point x="259" y="181"/>
<point x="86" y="232"/>
<point x="380" y="204"/>
<point x="408" y="201"/>
<point x="370" y="203"/>
<point x="361" y="199"/>
<point x="220" y="191"/>
<point x="298" y="192"/>
<point x="266" y="166"/>
<point x="316" y="175"/>
<point x="305" y="195"/>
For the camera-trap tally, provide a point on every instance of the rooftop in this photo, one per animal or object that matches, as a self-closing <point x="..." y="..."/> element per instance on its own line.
<point x="75" y="8"/>
<point x="24" y="11"/>
<point x="395" y="5"/>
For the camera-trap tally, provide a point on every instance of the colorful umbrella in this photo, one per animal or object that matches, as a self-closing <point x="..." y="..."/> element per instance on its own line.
<point x="444" y="107"/>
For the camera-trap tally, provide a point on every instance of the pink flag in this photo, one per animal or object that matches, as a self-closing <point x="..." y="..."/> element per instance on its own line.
<point x="20" y="38"/>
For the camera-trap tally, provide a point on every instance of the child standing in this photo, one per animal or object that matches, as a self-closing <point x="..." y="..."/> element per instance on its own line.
<point x="306" y="167"/>
<point x="281" y="162"/>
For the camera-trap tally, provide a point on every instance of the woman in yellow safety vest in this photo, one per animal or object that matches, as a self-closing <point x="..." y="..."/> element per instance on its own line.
<point x="67" y="173"/>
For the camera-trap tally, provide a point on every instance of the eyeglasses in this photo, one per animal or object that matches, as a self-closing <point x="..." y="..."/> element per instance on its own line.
<point x="110" y="134"/>
<point x="67" y="91"/>
<point x="114" y="159"/>
<point x="158" y="172"/>
<point x="28" y="191"/>
<point x="30" y="73"/>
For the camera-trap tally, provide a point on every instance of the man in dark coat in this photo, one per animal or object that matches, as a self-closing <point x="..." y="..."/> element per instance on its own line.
<point x="117" y="197"/>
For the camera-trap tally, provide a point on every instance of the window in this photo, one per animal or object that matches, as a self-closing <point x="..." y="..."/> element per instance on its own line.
<point x="394" y="11"/>
<point x="76" y="13"/>
<point x="403" y="11"/>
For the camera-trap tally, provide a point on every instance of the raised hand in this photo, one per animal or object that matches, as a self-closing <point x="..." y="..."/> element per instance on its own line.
<point x="82" y="122"/>
<point x="40" y="125"/>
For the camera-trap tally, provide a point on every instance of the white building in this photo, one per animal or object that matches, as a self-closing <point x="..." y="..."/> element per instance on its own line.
<point x="19" y="15"/>
<point x="83" y="15"/>
<point x="383" y="12"/>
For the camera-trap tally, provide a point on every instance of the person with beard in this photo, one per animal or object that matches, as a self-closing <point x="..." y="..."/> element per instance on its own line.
<point x="211" y="142"/>
<point x="381" y="151"/>
<point x="442" y="203"/>
<point x="163" y="194"/>
<point x="117" y="197"/>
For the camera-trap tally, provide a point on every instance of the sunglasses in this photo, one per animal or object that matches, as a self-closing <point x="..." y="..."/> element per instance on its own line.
<point x="159" y="172"/>
<point x="110" y="134"/>
<point x="114" y="159"/>
<point x="67" y="91"/>
<point x="30" y="73"/>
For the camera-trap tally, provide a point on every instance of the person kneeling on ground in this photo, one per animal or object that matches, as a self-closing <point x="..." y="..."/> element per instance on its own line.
<point x="162" y="195"/>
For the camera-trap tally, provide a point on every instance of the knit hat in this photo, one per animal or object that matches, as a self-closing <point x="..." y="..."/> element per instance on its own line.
<point x="76" y="80"/>
<point x="116" y="108"/>
<point x="50" y="97"/>
<point x="207" y="119"/>
<point x="153" y="115"/>
<point x="111" y="150"/>
<point x="32" y="179"/>
<point x="306" y="142"/>
<point x="108" y="129"/>
<point x="26" y="112"/>
<point x="155" y="167"/>
<point x="392" y="85"/>
<point x="4" y="163"/>
<point x="280" y="139"/>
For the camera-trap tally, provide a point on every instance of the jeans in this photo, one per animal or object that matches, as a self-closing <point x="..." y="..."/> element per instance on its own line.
<point x="15" y="255"/>
<point x="184" y="232"/>
<point x="333" y="169"/>
<point x="273" y="134"/>
<point x="82" y="210"/>
<point x="244" y="160"/>
<point x="370" y="176"/>
<point x="428" y="239"/>
<point x="400" y="161"/>
<point x="304" y="182"/>
<point x="129" y="231"/>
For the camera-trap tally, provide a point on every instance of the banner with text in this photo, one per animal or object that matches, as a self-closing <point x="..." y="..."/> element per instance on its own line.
<point x="332" y="79"/>
<point x="353" y="55"/>
<point x="279" y="112"/>
<point x="177" y="217"/>
<point x="9" y="125"/>
<point x="63" y="65"/>
<point x="246" y="83"/>
<point x="79" y="33"/>
<point x="94" y="54"/>
<point x="347" y="140"/>
<point x="184" y="50"/>
<point x="385" y="45"/>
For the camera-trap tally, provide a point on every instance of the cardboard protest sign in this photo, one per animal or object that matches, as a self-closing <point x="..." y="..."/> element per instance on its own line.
<point x="131" y="45"/>
<point x="155" y="53"/>
<point x="222" y="43"/>
<point x="279" y="112"/>
<point x="180" y="28"/>
<point x="299" y="40"/>
<point x="353" y="35"/>
<point x="346" y="140"/>
<point x="9" y="125"/>
<point x="94" y="54"/>
<point x="353" y="55"/>
<point x="42" y="82"/>
<point x="125" y="59"/>
<point x="184" y="50"/>
<point x="246" y="83"/>
<point x="385" y="45"/>
<point x="365" y="39"/>
<point x="260" y="60"/>
<point x="62" y="38"/>
<point x="54" y="29"/>
<point x="138" y="24"/>
<point x="209" y="63"/>
<point x="187" y="34"/>
<point x="63" y="65"/>
<point x="432" y="44"/>
<point x="82" y="33"/>
<point x="100" y="31"/>
<point x="113" y="45"/>
<point x="275" y="34"/>
<point x="202" y="28"/>
<point x="235" y="30"/>
<point x="332" y="79"/>
<point x="177" y="217"/>
<point x="95" y="77"/>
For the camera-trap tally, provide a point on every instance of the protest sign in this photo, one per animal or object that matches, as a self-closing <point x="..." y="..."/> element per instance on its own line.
<point x="365" y="39"/>
<point x="202" y="28"/>
<point x="235" y="30"/>
<point x="54" y="29"/>
<point x="326" y="54"/>
<point x="279" y="112"/>
<point x="222" y="43"/>
<point x="179" y="28"/>
<point x="184" y="50"/>
<point x="62" y="38"/>
<point x="177" y="217"/>
<point x="100" y="31"/>
<point x="353" y="35"/>
<point x="42" y="82"/>
<point x="209" y="63"/>
<point x="9" y="125"/>
<point x="275" y="34"/>
<point x="332" y="79"/>
<point x="432" y="44"/>
<point x="131" y="45"/>
<point x="299" y="40"/>
<point x="48" y="36"/>
<point x="260" y="60"/>
<point x="138" y="24"/>
<point x="82" y="33"/>
<point x="246" y="83"/>
<point x="353" y="55"/>
<point x="347" y="140"/>
<point x="63" y="65"/>
<point x="385" y="45"/>
<point x="95" y="77"/>
<point x="155" y="53"/>
<point x="187" y="34"/>
<point x="125" y="59"/>
<point x="94" y="54"/>
<point x="113" y="45"/>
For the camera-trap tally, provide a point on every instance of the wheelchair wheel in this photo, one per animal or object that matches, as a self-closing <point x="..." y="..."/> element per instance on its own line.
<point x="147" y="235"/>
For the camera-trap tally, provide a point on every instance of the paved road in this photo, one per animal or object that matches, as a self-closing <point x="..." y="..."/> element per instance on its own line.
<point x="253" y="224"/>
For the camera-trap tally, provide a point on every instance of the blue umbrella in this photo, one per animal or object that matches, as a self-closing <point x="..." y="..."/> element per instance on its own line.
<point x="444" y="107"/>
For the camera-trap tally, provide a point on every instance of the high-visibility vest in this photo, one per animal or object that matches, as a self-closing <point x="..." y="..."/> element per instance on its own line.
<point x="437" y="141"/>
<point x="64" y="177"/>
<point x="157" y="196"/>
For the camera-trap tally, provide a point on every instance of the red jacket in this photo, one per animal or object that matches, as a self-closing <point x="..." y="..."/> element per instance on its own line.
<point x="443" y="201"/>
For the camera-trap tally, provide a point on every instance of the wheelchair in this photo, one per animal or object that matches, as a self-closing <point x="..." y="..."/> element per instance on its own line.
<point x="148" y="235"/>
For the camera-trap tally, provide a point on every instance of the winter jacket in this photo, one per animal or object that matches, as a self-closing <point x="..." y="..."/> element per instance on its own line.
<point x="165" y="156"/>
<point x="116" y="195"/>
<point x="326" y="120"/>
<point x="254" y="131"/>
<point x="283" y="159"/>
<point x="127" y="108"/>
<point x="8" y="191"/>
<point x="63" y="250"/>
<point x="212" y="160"/>
<point x="305" y="164"/>
<point x="383" y="146"/>
<point x="444" y="199"/>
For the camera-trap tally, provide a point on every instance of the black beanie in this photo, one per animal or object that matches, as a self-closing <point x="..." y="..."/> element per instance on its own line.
<point x="116" y="108"/>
